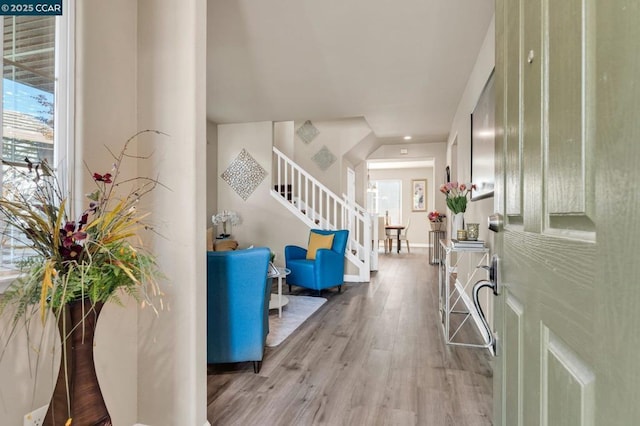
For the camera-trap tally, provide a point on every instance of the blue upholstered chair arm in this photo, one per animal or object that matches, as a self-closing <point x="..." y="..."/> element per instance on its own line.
<point x="295" y="252"/>
<point x="330" y="267"/>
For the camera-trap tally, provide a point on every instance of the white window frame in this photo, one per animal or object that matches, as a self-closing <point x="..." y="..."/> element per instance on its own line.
<point x="64" y="94"/>
<point x="64" y="140"/>
<point x="375" y="208"/>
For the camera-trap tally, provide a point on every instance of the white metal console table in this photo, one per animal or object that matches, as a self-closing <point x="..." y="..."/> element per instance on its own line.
<point x="452" y="290"/>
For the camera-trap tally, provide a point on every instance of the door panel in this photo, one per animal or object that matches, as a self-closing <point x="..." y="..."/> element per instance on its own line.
<point x="565" y="106"/>
<point x="545" y="317"/>
<point x="552" y="278"/>
<point x="513" y="142"/>
<point x="513" y="361"/>
<point x="617" y="219"/>
<point x="568" y="387"/>
<point x="531" y="81"/>
<point x="567" y="95"/>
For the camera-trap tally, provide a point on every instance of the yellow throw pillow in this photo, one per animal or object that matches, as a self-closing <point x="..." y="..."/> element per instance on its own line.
<point x="318" y="241"/>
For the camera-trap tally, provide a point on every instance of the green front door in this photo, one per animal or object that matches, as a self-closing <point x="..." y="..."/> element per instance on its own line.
<point x="568" y="155"/>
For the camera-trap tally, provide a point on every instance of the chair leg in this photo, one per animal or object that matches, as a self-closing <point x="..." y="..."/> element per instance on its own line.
<point x="339" y="289"/>
<point x="289" y="288"/>
<point x="408" y="248"/>
<point x="257" y="365"/>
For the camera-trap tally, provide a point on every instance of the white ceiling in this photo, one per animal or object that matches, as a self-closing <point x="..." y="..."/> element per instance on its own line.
<point x="401" y="64"/>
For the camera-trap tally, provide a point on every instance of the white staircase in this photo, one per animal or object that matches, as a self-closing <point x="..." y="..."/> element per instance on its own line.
<point x="318" y="207"/>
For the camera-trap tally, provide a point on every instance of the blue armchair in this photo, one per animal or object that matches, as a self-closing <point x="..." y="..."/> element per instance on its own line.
<point x="238" y="294"/>
<point x="325" y="271"/>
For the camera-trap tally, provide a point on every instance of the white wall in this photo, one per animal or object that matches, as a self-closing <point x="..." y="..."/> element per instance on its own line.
<point x="106" y="115"/>
<point x="435" y="151"/>
<point x="105" y="106"/>
<point x="477" y="211"/>
<point x="461" y="127"/>
<point x="339" y="136"/>
<point x="212" y="170"/>
<point x="346" y="165"/>
<point x="265" y="222"/>
<point x="283" y="137"/>
<point x="21" y="389"/>
<point x="361" y="183"/>
<point x="417" y="233"/>
<point x="171" y="96"/>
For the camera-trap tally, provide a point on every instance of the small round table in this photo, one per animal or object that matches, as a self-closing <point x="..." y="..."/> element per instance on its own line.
<point x="278" y="300"/>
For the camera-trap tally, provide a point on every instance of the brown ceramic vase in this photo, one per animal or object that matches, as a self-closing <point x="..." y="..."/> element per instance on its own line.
<point x="77" y="393"/>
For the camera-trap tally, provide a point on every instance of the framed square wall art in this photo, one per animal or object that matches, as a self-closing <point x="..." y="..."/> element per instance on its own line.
<point x="418" y="195"/>
<point x="483" y="143"/>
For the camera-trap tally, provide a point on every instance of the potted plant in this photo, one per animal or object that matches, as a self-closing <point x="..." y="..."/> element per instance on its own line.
<point x="456" y="195"/>
<point x="75" y="264"/>
<point x="228" y="219"/>
<point x="436" y="220"/>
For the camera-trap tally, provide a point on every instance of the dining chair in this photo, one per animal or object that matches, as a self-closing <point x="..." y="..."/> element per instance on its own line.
<point x="383" y="235"/>
<point x="403" y="235"/>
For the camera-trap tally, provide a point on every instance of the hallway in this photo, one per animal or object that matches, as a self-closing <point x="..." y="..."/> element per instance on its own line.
<point x="372" y="355"/>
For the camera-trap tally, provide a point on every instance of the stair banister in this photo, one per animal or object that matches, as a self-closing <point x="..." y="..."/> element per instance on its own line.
<point x="317" y="211"/>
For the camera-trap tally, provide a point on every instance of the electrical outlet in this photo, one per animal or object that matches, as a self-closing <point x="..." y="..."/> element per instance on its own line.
<point x="36" y="417"/>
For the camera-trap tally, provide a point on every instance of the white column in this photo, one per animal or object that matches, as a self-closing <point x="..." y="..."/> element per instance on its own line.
<point x="171" y="98"/>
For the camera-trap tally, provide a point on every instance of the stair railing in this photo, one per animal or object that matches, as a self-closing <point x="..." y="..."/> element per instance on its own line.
<point x="317" y="206"/>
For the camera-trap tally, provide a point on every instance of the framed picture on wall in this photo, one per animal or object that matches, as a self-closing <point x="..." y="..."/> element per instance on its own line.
<point x="483" y="143"/>
<point x="419" y="195"/>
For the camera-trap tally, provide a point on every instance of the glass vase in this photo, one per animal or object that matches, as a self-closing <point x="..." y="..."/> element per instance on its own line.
<point x="473" y="229"/>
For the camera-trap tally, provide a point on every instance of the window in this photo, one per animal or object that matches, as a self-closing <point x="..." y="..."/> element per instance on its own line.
<point x="30" y="104"/>
<point x="387" y="198"/>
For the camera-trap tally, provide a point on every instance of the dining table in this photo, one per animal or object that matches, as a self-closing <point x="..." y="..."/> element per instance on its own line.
<point x="398" y="229"/>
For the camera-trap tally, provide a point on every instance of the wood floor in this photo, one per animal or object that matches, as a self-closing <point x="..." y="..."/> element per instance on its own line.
<point x="372" y="355"/>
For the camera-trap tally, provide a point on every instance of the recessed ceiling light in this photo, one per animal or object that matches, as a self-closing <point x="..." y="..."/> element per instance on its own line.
<point x="407" y="138"/>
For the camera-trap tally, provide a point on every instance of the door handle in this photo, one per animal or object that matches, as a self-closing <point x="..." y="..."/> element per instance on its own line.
<point x="495" y="222"/>
<point x="493" y="274"/>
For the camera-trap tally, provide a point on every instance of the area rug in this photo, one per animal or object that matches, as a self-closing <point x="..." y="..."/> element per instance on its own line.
<point x="294" y="313"/>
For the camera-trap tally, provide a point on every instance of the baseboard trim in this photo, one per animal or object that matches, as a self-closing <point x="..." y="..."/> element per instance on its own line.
<point x="142" y="424"/>
<point x="354" y="279"/>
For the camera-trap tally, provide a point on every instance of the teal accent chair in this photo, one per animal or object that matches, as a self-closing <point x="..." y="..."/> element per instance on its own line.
<point x="238" y="293"/>
<point x="327" y="270"/>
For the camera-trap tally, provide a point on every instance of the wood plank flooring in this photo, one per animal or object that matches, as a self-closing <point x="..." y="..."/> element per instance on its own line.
<point x="372" y="355"/>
